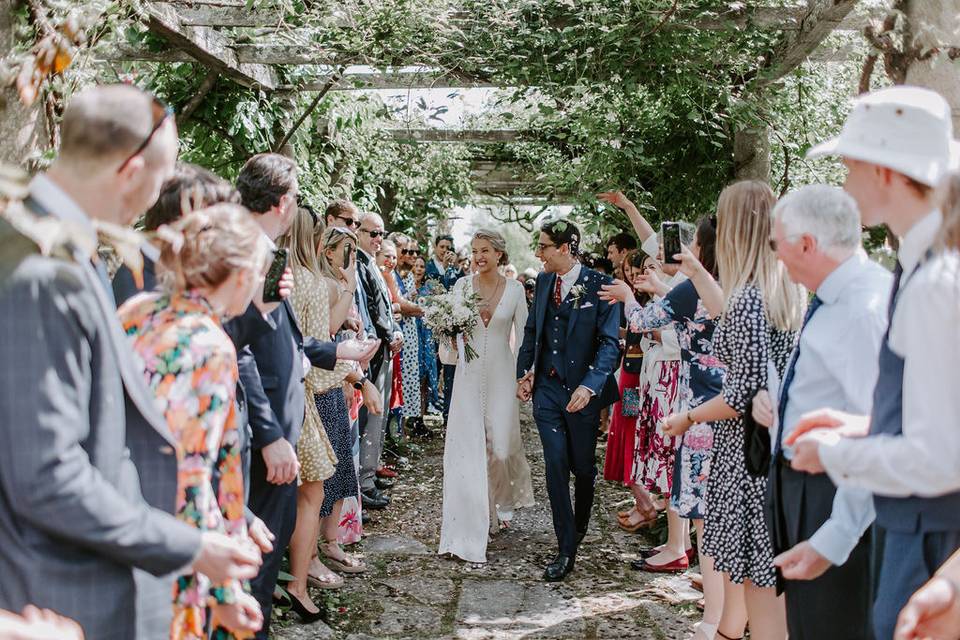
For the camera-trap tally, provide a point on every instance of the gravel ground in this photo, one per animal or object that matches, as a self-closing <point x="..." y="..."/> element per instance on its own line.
<point x="410" y="592"/>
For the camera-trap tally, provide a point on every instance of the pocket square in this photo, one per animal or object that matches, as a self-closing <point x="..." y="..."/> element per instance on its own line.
<point x="586" y="305"/>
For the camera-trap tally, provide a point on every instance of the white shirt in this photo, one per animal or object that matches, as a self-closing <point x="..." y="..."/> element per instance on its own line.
<point x="837" y="367"/>
<point x="569" y="279"/>
<point x="924" y="460"/>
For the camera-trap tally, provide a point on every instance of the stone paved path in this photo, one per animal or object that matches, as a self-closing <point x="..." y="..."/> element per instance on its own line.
<point x="410" y="592"/>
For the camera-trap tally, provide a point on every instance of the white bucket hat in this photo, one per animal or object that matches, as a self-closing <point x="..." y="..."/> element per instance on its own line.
<point x="907" y="129"/>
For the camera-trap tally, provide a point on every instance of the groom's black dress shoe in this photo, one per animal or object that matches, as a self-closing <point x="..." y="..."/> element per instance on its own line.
<point x="558" y="569"/>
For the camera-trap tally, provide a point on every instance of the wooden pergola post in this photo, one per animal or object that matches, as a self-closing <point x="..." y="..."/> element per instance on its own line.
<point x="22" y="129"/>
<point x="751" y="154"/>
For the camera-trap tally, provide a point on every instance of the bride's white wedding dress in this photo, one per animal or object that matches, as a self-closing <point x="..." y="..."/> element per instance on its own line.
<point x="485" y="471"/>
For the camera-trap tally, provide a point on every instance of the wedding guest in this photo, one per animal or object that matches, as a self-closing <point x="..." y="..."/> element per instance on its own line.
<point x="429" y="378"/>
<point x="379" y="306"/>
<point x="759" y="312"/>
<point x="273" y="374"/>
<point x="387" y="264"/>
<point x="443" y="268"/>
<point x="412" y="411"/>
<point x="897" y="144"/>
<point x="618" y="246"/>
<point x="510" y="272"/>
<point x="190" y="188"/>
<point x="818" y="531"/>
<point x="701" y="379"/>
<point x="71" y="400"/>
<point x="211" y="265"/>
<point x="325" y="446"/>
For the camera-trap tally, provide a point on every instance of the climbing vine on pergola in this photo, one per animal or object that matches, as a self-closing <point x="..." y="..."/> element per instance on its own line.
<point x="666" y="99"/>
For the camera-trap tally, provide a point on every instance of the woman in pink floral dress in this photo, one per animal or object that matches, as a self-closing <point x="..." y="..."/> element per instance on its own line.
<point x="213" y="261"/>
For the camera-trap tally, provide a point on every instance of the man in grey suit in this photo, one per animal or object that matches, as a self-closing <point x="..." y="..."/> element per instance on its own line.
<point x="75" y="414"/>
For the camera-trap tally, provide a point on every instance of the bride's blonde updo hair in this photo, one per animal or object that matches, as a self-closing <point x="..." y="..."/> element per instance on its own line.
<point x="205" y="247"/>
<point x="497" y="241"/>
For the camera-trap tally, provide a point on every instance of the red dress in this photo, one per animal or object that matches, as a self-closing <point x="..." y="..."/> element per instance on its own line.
<point x="621" y="436"/>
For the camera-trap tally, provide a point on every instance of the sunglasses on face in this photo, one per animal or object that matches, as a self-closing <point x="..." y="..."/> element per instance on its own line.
<point x="374" y="233"/>
<point x="160" y="113"/>
<point x="410" y="252"/>
<point x="350" y="222"/>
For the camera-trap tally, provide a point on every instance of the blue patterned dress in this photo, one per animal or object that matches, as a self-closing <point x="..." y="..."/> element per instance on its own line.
<point x="701" y="378"/>
<point x="428" y="350"/>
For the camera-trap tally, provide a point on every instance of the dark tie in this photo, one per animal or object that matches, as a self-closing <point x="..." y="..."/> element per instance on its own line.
<point x="897" y="275"/>
<point x="791" y="372"/>
<point x="558" y="292"/>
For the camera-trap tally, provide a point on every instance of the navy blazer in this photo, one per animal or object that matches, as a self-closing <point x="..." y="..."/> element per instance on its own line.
<point x="271" y="369"/>
<point x="592" y="342"/>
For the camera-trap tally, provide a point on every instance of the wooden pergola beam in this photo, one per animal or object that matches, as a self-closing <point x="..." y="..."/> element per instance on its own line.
<point x="479" y="136"/>
<point x="204" y="14"/>
<point x="821" y="19"/>
<point x="207" y="46"/>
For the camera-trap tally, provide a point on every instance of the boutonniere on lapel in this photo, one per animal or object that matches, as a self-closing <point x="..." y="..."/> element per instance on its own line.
<point x="577" y="293"/>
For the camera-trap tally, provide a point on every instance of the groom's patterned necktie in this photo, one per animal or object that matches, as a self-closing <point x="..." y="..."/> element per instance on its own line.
<point x="558" y="292"/>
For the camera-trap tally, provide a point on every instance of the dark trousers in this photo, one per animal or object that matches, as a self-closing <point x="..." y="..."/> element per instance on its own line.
<point x="276" y="505"/>
<point x="569" y="446"/>
<point x="835" y="606"/>
<point x="449" y="371"/>
<point x="907" y="561"/>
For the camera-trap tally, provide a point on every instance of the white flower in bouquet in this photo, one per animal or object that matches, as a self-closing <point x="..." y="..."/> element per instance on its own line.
<point x="453" y="314"/>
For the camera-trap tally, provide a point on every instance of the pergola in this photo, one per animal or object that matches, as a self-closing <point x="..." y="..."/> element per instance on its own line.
<point x="206" y="32"/>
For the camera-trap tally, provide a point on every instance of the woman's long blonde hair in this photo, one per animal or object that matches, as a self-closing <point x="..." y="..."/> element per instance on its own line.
<point x="301" y="242"/>
<point x="744" y="257"/>
<point x="948" y="195"/>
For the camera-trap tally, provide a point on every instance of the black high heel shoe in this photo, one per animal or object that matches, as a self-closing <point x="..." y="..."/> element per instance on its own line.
<point x="306" y="617"/>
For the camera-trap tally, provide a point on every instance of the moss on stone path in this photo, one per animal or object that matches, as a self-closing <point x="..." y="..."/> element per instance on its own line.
<point x="410" y="592"/>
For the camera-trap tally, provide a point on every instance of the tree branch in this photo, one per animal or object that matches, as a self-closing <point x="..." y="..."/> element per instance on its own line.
<point x="209" y="82"/>
<point x="310" y="109"/>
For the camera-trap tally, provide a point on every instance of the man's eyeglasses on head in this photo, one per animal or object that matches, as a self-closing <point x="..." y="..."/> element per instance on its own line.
<point x="160" y="113"/>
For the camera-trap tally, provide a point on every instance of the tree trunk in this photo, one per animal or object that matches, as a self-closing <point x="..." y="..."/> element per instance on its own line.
<point x="935" y="24"/>
<point x="751" y="154"/>
<point x="23" y="130"/>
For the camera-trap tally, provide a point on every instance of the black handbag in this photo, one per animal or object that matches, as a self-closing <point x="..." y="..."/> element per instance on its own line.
<point x="756" y="445"/>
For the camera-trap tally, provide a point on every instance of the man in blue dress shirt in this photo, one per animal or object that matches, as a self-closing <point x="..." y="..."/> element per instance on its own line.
<point x="818" y="530"/>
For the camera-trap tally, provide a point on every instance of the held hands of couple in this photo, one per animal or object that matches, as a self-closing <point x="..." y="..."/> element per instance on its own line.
<point x="525" y="387"/>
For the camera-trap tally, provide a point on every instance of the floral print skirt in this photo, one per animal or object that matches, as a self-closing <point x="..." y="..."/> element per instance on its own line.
<point x="691" y="472"/>
<point x="654" y="452"/>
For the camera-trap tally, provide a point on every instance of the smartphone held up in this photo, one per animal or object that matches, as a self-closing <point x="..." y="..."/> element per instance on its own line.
<point x="670" y="235"/>
<point x="271" y="284"/>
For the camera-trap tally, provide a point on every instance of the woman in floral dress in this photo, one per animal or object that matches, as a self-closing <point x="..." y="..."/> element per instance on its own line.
<point x="701" y="378"/>
<point x="429" y="377"/>
<point x="759" y="314"/>
<point x="211" y="262"/>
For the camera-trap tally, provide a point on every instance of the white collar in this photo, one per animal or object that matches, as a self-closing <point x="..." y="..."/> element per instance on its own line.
<point x="837" y="280"/>
<point x="917" y="240"/>
<point x="270" y="243"/>
<point x="570" y="277"/>
<point x="59" y="204"/>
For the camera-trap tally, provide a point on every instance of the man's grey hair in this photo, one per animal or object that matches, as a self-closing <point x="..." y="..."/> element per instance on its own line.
<point x="828" y="214"/>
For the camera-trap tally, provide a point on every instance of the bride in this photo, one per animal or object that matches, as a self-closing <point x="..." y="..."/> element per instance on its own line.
<point x="485" y="472"/>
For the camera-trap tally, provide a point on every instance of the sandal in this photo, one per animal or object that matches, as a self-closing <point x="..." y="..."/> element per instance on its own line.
<point x="331" y="581"/>
<point x="346" y="564"/>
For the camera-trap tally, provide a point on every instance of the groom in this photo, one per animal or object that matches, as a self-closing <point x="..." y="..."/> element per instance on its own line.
<point x="566" y="364"/>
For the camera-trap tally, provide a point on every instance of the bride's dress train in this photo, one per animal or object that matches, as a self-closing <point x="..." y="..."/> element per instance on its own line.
<point x="485" y="471"/>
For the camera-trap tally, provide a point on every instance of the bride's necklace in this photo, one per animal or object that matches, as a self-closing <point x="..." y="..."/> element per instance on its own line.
<point x="486" y="314"/>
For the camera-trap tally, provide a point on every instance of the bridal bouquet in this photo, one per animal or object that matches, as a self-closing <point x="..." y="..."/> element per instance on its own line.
<point x="453" y="316"/>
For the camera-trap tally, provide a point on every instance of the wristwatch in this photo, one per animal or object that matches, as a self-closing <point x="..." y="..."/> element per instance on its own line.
<point x="358" y="385"/>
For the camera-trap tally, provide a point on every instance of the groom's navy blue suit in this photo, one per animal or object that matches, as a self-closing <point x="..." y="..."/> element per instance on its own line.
<point x="571" y="345"/>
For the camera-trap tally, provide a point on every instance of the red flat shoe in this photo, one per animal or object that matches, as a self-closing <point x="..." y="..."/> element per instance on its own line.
<point x="677" y="566"/>
<point x="386" y="472"/>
